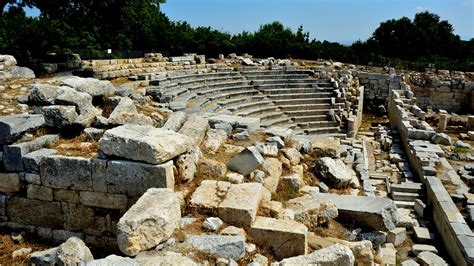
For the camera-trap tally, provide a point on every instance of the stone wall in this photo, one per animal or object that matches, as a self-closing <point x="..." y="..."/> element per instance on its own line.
<point x="450" y="94"/>
<point x="377" y="85"/>
<point x="72" y="196"/>
<point x="425" y="158"/>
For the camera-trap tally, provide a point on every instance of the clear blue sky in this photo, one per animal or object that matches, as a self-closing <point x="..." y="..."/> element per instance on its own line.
<point x="343" y="21"/>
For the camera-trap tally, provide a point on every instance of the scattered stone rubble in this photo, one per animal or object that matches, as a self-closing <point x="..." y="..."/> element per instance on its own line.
<point x="269" y="177"/>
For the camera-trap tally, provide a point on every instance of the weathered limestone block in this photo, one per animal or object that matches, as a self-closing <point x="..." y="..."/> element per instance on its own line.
<point x="214" y="140"/>
<point x="322" y="147"/>
<point x="134" y="178"/>
<point x="152" y="219"/>
<point x="336" y="254"/>
<point x="91" y="86"/>
<point x="34" y="212"/>
<point x="144" y="143"/>
<point x="175" y="121"/>
<point x="240" y="204"/>
<point x="187" y="163"/>
<point x="311" y="212"/>
<point x="78" y="217"/>
<point x="293" y="155"/>
<point x="9" y="183"/>
<point x="209" y="195"/>
<point x="31" y="161"/>
<point x="103" y="200"/>
<point x="74" y="252"/>
<point x="196" y="128"/>
<point x="285" y="238"/>
<point x="66" y="172"/>
<point x="168" y="258"/>
<point x="39" y="193"/>
<point x="376" y="213"/>
<point x="125" y="112"/>
<point x="12" y="127"/>
<point x="46" y="257"/>
<point x="246" y="161"/>
<point x="334" y="172"/>
<point x="211" y="169"/>
<point x="273" y="169"/>
<point x="114" y="260"/>
<point x="13" y="154"/>
<point x="58" y="116"/>
<point x="219" y="246"/>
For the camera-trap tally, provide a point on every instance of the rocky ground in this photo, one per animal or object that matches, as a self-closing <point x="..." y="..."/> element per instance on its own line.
<point x="237" y="195"/>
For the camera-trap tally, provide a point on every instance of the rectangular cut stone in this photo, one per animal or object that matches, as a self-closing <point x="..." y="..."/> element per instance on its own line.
<point x="99" y="175"/>
<point x="377" y="213"/>
<point x="195" y="128"/>
<point x="134" y="178"/>
<point x="9" y="183"/>
<point x="39" y="193"/>
<point x="144" y="143"/>
<point x="66" y="172"/>
<point x="250" y="123"/>
<point x="13" y="154"/>
<point x="240" y="204"/>
<point x="31" y="161"/>
<point x="246" y="161"/>
<point x="13" y="126"/>
<point x="208" y="195"/>
<point x="103" y="200"/>
<point x="34" y="212"/>
<point x="66" y="195"/>
<point x="286" y="238"/>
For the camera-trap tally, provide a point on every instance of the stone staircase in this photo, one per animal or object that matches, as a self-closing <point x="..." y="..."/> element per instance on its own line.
<point x="289" y="99"/>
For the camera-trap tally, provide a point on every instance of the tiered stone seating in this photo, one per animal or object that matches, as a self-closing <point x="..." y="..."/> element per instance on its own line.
<point x="279" y="98"/>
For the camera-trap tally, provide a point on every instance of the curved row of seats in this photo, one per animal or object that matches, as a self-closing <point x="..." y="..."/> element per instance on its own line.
<point x="290" y="99"/>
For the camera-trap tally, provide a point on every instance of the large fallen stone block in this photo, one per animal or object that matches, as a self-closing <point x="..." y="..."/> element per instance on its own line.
<point x="91" y="86"/>
<point x="134" y="178"/>
<point x="43" y="94"/>
<point x="246" y="161"/>
<point x="144" y="143"/>
<point x="168" y="258"/>
<point x="285" y="238"/>
<point x="186" y="164"/>
<point x="219" y="246"/>
<point x="335" y="172"/>
<point x="336" y="254"/>
<point x="214" y="140"/>
<point x="311" y="212"/>
<point x="377" y="213"/>
<point x="151" y="220"/>
<point x="12" y="127"/>
<point x="113" y="260"/>
<point x="209" y="195"/>
<point x="175" y="121"/>
<point x="58" y="116"/>
<point x="323" y="147"/>
<point x="196" y="128"/>
<point x="240" y="204"/>
<point x="74" y="252"/>
<point x="125" y="112"/>
<point x="31" y="161"/>
<point x="249" y="123"/>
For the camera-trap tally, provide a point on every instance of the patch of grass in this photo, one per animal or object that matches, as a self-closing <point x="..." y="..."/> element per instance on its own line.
<point x="462" y="150"/>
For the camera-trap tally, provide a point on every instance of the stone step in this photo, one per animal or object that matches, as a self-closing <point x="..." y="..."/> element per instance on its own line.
<point x="404" y="196"/>
<point x="269" y="116"/>
<point x="258" y="110"/>
<point x="318" y="124"/>
<point x="195" y="77"/>
<point x="404" y="204"/>
<point x="277" y="76"/>
<point x="305" y="113"/>
<point x="322" y="130"/>
<point x="232" y="95"/>
<point x="292" y="90"/>
<point x="276" y="122"/>
<point x="302" y="101"/>
<point x="222" y="89"/>
<point x="307" y="107"/>
<point x="244" y="103"/>
<point x="379" y="176"/>
<point x="313" y="95"/>
<point x="407" y="187"/>
<point x="309" y="118"/>
<point x="285" y="81"/>
<point x="301" y="86"/>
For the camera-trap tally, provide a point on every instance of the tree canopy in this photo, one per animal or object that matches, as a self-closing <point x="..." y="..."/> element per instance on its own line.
<point x="94" y="26"/>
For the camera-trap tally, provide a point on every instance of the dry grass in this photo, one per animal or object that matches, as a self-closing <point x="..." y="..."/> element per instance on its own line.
<point x="76" y="147"/>
<point x="332" y="229"/>
<point x="7" y="246"/>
